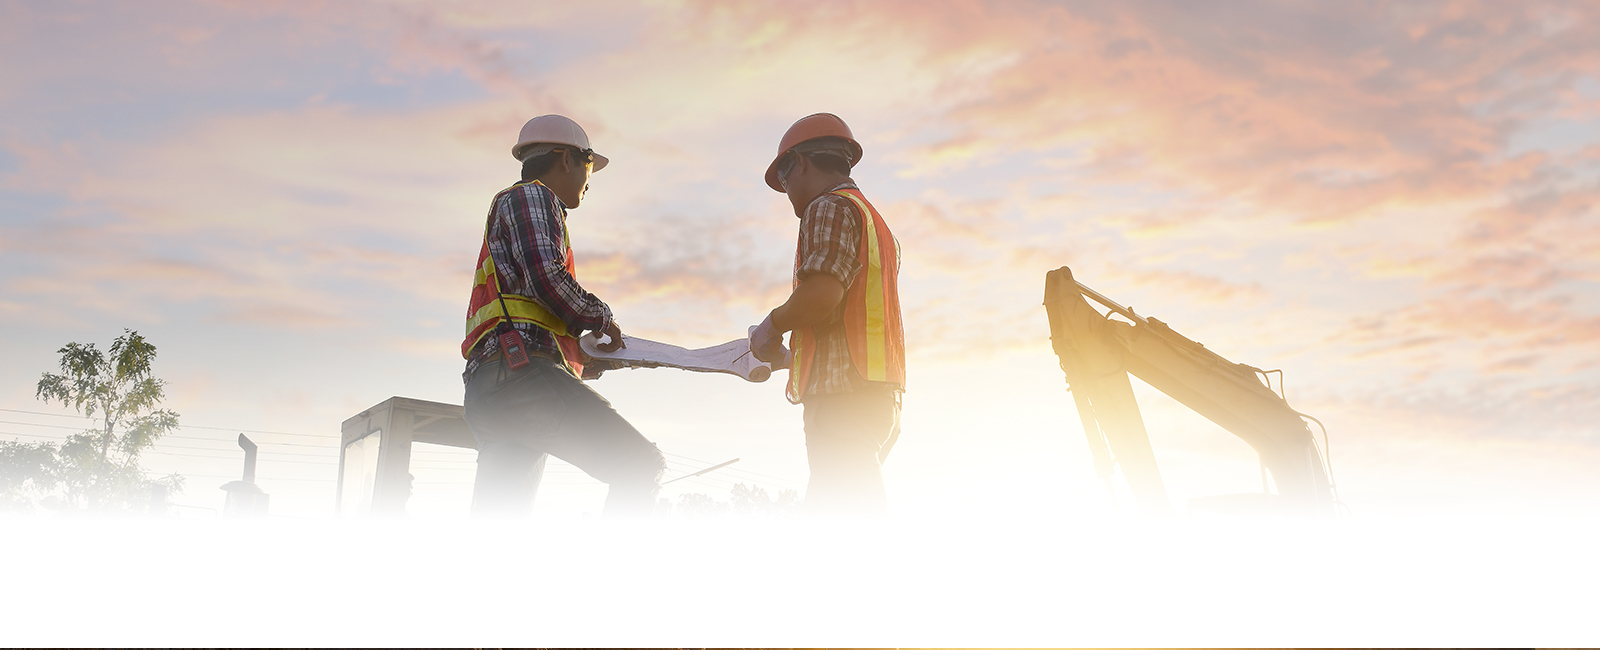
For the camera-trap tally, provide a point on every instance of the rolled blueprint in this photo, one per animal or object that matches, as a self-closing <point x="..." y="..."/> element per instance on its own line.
<point x="733" y="357"/>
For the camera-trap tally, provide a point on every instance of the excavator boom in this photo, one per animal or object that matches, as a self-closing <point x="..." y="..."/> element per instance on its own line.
<point x="1098" y="353"/>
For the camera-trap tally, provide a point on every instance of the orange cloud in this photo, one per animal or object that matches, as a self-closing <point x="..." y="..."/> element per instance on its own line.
<point x="1347" y="188"/>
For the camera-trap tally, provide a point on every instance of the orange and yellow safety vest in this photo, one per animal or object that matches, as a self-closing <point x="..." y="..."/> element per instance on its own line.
<point x="484" y="310"/>
<point x="873" y="330"/>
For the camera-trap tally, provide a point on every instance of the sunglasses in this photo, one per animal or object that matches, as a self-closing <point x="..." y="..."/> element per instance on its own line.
<point x="785" y="166"/>
<point x="584" y="156"/>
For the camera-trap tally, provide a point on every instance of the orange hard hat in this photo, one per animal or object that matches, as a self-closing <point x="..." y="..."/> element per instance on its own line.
<point x="811" y="127"/>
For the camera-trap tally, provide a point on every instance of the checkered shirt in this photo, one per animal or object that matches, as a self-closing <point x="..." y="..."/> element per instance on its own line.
<point x="525" y="231"/>
<point x="830" y="243"/>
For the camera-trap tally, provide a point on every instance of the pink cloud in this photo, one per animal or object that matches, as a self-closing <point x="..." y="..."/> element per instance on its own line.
<point x="1205" y="288"/>
<point x="1347" y="168"/>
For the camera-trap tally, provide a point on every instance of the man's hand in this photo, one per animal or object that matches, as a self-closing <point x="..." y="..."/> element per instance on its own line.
<point x="592" y="367"/>
<point x="766" y="342"/>
<point x="616" y="338"/>
<point x="785" y="362"/>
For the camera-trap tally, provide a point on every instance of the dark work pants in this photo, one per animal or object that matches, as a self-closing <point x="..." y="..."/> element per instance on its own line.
<point x="519" y="416"/>
<point x="848" y="435"/>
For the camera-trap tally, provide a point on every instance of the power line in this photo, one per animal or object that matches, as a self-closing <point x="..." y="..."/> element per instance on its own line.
<point x="164" y="450"/>
<point x="264" y="451"/>
<point x="709" y="482"/>
<point x="275" y="444"/>
<point x="159" y="448"/>
<point x="54" y="415"/>
<point x="279" y="433"/>
<point x="204" y="465"/>
<point x="714" y="482"/>
<point x="232" y="456"/>
<point x="187" y="426"/>
<point x="258" y="478"/>
<point x="564" y="467"/>
<point x="689" y="469"/>
<point x="736" y="471"/>
<point x="49" y="426"/>
<point x="264" y="460"/>
<point x="724" y="482"/>
<point x="27" y="435"/>
<point x="333" y="439"/>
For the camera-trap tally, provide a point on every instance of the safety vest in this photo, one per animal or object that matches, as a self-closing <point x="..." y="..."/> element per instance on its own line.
<point x="872" y="326"/>
<point x="484" y="310"/>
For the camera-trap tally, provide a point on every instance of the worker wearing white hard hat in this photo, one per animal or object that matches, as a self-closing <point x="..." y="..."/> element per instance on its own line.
<point x="545" y="133"/>
<point x="525" y="398"/>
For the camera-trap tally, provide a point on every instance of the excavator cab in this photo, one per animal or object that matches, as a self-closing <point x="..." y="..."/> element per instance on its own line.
<point x="1097" y="353"/>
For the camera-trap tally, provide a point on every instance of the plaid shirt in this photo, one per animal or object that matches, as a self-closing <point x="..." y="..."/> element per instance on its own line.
<point x="526" y="231"/>
<point x="830" y="243"/>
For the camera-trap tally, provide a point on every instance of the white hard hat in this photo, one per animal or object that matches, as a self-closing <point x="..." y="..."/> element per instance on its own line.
<point x="553" y="131"/>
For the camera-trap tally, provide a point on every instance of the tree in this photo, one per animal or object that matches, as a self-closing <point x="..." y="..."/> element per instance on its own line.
<point x="746" y="502"/>
<point x="27" y="470"/>
<point x="99" y="468"/>
<point x="755" y="502"/>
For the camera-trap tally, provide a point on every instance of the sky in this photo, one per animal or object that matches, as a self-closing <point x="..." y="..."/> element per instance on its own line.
<point x="1394" y="203"/>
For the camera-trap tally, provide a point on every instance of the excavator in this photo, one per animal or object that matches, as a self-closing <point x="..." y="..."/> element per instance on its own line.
<point x="1098" y="351"/>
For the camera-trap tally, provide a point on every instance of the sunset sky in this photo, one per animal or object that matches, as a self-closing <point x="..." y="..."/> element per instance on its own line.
<point x="1394" y="203"/>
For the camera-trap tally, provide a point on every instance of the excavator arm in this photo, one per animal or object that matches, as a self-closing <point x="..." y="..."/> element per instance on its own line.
<point x="1097" y="354"/>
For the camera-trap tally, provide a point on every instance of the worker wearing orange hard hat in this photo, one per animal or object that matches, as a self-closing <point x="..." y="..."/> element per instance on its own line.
<point x="524" y="395"/>
<point x="846" y="351"/>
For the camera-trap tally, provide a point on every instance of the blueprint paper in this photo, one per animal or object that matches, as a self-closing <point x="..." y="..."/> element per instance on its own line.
<point x="733" y="357"/>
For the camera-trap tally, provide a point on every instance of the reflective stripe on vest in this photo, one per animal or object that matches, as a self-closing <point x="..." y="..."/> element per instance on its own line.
<point x="484" y="310"/>
<point x="873" y="329"/>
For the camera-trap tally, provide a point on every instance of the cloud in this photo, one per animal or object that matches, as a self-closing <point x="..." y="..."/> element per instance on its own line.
<point x="1397" y="199"/>
<point x="1207" y="289"/>
<point x="283" y="317"/>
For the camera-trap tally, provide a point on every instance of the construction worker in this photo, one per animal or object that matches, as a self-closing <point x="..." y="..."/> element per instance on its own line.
<point x="847" y="348"/>
<point x="524" y="396"/>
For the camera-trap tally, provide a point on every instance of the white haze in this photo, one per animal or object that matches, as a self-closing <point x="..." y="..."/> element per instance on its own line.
<point x="1099" y="581"/>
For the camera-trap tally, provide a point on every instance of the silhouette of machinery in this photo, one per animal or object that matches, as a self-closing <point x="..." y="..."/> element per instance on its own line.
<point x="375" y="452"/>
<point x="1097" y="354"/>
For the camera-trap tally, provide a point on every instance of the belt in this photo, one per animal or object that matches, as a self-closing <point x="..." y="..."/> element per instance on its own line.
<point x="498" y="354"/>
